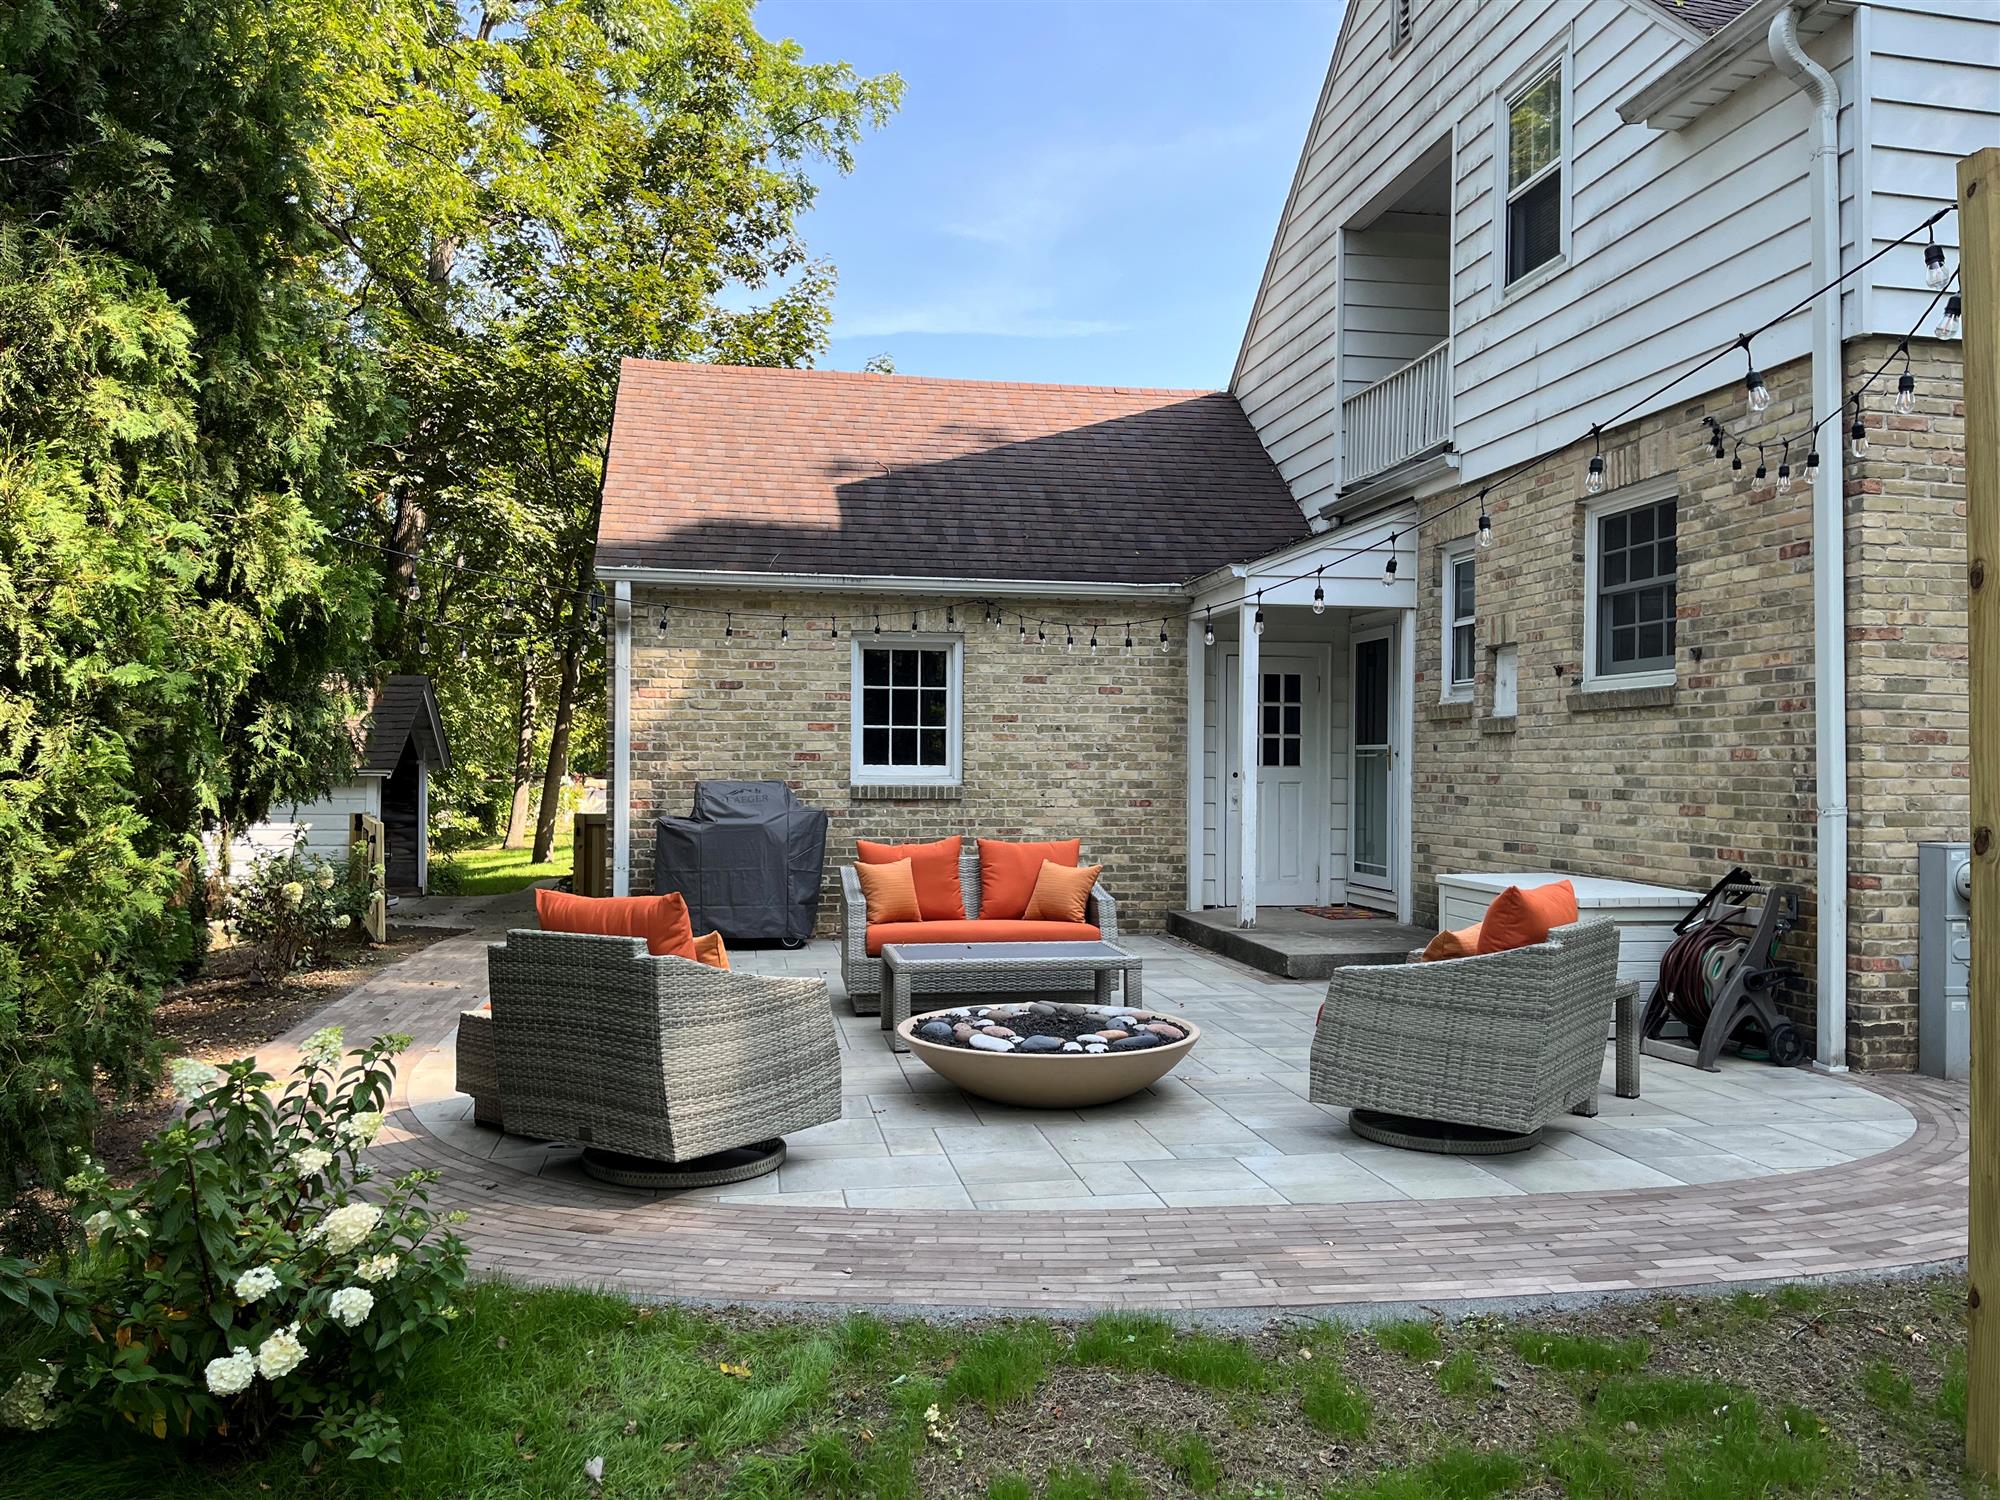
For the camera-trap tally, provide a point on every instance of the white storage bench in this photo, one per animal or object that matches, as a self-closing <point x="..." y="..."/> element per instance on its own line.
<point x="1645" y="914"/>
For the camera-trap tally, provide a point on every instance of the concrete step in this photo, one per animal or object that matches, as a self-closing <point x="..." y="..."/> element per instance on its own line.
<point x="1295" y="945"/>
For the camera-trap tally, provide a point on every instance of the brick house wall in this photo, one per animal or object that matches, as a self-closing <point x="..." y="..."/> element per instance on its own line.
<point x="1675" y="784"/>
<point x="1056" y="744"/>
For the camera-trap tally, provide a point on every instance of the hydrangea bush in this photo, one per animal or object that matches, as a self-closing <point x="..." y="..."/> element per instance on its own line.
<point x="242" y="1283"/>
<point x="294" y="906"/>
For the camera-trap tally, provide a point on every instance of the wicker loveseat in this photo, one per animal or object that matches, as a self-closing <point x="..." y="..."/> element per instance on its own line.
<point x="861" y="971"/>
<point x="1502" y="1043"/>
<point x="593" y="1040"/>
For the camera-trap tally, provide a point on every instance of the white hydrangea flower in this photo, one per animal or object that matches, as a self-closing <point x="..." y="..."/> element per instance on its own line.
<point x="190" y="1077"/>
<point x="350" y="1305"/>
<point x="323" y="877"/>
<point x="310" y="1161"/>
<point x="231" y="1373"/>
<point x="26" y="1402"/>
<point x="99" y="1222"/>
<point x="340" y="922"/>
<point x="280" y="1354"/>
<point x="324" y="1047"/>
<point x="346" y="1226"/>
<point x="293" y="891"/>
<point x="377" y="1268"/>
<point x="258" y="1281"/>
<point x="361" y="1128"/>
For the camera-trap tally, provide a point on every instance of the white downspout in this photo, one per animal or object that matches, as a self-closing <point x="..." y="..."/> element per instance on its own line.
<point x="1829" y="544"/>
<point x="621" y="739"/>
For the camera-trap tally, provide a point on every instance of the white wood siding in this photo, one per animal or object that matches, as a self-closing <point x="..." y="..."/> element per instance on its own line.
<point x="326" y="821"/>
<point x="1932" y="75"/>
<point x="1396" y="285"/>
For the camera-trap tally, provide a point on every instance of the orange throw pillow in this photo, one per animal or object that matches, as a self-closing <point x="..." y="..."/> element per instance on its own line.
<point x="1519" y="918"/>
<point x="1008" y="872"/>
<point x="1061" y="893"/>
<point x="661" y="920"/>
<point x="935" y="867"/>
<point x="1460" y="944"/>
<point x="890" y="891"/>
<point x="708" y="949"/>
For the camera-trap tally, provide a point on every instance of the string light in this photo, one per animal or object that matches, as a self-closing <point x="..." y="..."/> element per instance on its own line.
<point x="784" y="628"/>
<point x="1593" y="479"/>
<point x="1906" y="392"/>
<point x="1389" y="567"/>
<point x="1319" y="593"/>
<point x="1093" y="640"/>
<point x="1857" y="435"/>
<point x="1069" y="638"/>
<point x="1935" y="274"/>
<point x="1736" y="458"/>
<point x="1761" y="470"/>
<point x="660" y="624"/>
<point x="1812" y="460"/>
<point x="1954" y="311"/>
<point x="1485" y="523"/>
<point x="878" y="622"/>
<point x="1785" y="470"/>
<point x="1715" y="443"/>
<point x="1164" y="647"/>
<point x="1024" y="629"/>
<point x="1041" y="634"/>
<point x="1257" y="624"/>
<point x="1753" y="383"/>
<point x="1128" y="635"/>
<point x="833" y="628"/>
<point x="950" y="618"/>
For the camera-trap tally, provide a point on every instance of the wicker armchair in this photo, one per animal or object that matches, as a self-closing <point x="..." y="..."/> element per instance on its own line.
<point x="1503" y="1042"/>
<point x="863" y="975"/>
<point x="601" y="1044"/>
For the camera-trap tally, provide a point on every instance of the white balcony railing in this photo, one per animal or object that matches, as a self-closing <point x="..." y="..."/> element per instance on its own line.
<point x="1399" y="416"/>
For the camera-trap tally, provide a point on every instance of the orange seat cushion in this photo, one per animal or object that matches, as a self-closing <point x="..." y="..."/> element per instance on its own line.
<point x="890" y="891"/>
<point x="1460" y="944"/>
<point x="708" y="949"/>
<point x="982" y="931"/>
<point x="1007" y="873"/>
<point x="939" y="896"/>
<point x="1519" y="918"/>
<point x="1061" y="894"/>
<point x="661" y="920"/>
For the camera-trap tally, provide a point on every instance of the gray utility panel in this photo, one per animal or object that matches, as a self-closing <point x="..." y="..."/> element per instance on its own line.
<point x="1944" y="960"/>
<point x="748" y="861"/>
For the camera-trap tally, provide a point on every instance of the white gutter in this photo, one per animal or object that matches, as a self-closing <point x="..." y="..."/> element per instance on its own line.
<point x="621" y="739"/>
<point x="1829" y="546"/>
<point x="889" y="583"/>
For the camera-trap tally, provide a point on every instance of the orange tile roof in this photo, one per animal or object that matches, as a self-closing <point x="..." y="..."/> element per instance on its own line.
<point x="719" y="467"/>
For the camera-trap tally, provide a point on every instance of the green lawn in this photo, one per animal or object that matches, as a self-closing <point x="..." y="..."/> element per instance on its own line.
<point x="1814" y="1392"/>
<point x="489" y="870"/>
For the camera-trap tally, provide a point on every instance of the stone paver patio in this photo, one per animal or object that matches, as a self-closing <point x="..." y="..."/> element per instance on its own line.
<point x="1220" y="1188"/>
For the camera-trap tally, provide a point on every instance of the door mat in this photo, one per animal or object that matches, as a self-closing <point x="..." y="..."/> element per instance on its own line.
<point x="1347" y="913"/>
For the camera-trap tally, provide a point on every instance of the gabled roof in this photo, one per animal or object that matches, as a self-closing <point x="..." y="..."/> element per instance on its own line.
<point x="726" y="469"/>
<point x="1708" y="16"/>
<point x="405" y="710"/>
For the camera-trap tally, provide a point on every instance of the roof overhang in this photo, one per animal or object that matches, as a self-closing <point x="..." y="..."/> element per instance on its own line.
<point x="1346" y="564"/>
<point x="897" y="583"/>
<point x="1695" y="82"/>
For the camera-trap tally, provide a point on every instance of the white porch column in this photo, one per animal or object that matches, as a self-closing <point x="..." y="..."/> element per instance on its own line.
<point x="1247" y="701"/>
<point x="1403" y="760"/>
<point x="1197" y="755"/>
<point x="621" y="740"/>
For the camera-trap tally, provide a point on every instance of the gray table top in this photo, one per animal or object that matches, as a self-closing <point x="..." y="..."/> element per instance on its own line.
<point x="1099" y="955"/>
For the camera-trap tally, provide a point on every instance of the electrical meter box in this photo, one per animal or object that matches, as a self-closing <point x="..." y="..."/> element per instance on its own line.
<point x="1944" y="960"/>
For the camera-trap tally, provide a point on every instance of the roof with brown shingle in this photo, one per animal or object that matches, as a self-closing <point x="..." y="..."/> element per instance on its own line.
<point x="1705" y="15"/>
<point x="725" y="468"/>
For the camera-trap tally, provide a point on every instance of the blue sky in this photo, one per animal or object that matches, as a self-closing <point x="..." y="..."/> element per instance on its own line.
<point x="1072" y="191"/>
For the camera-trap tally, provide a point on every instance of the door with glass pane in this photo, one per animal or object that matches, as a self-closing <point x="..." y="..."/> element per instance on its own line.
<point x="1291" y="778"/>
<point x="1371" y="834"/>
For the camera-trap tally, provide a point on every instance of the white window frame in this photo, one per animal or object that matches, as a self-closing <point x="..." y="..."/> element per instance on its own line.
<point x="1630" y="497"/>
<point x="1452" y="691"/>
<point x="951" y="773"/>
<point x="1558" y="57"/>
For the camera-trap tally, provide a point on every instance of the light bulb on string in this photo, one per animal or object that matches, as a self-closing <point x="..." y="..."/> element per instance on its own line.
<point x="1163" y="636"/>
<point x="784" y="628"/>
<point x="1785" y="475"/>
<point x="1936" y="277"/>
<point x="1389" y="567"/>
<point x="833" y="628"/>
<point x="1906" y="393"/>
<point x="1857" y="435"/>
<point x="1093" y="640"/>
<point x="1041" y="634"/>
<point x="1208" y="628"/>
<point x="1319" y="592"/>
<point x="913" y="620"/>
<point x="950" y="618"/>
<point x="1069" y="638"/>
<point x="1593" y="477"/>
<point x="1128" y="636"/>
<point x="1954" y="311"/>
<point x="728" y="626"/>
<point x="1257" y="622"/>
<point x="1812" y="463"/>
<point x="660" y="624"/>
<point x="1736" y="459"/>
<point x="1761" y="470"/>
<point x="878" y="622"/>
<point x="1024" y="629"/>
<point x="1754" y="388"/>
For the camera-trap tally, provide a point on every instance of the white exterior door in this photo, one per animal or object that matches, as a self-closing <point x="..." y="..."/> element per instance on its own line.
<point x="1292" y="814"/>
<point x="1371" y="839"/>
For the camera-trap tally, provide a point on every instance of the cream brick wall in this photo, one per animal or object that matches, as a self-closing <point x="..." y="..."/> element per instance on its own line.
<point x="1674" y="785"/>
<point x="1056" y="744"/>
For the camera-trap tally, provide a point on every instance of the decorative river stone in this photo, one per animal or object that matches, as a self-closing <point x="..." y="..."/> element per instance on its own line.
<point x="934" y="1031"/>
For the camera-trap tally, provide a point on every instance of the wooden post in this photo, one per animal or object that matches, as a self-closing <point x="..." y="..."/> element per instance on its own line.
<point x="1979" y="263"/>
<point x="589" y="863"/>
<point x="367" y="831"/>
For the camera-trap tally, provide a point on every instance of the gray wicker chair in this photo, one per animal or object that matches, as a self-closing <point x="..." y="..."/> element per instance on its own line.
<point x="658" y="1059"/>
<point x="863" y="975"/>
<point x="1501" y="1043"/>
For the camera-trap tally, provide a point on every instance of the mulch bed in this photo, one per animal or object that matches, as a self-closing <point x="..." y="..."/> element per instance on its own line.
<point x="226" y="1012"/>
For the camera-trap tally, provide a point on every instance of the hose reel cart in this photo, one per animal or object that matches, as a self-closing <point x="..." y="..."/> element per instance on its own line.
<point x="1721" y="974"/>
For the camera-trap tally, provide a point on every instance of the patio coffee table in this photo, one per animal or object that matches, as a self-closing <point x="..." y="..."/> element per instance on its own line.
<point x="973" y="968"/>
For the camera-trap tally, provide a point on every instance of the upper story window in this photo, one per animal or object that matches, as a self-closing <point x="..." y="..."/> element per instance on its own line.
<point x="1459" y="635"/>
<point x="907" y="709"/>
<point x="1631" y="589"/>
<point x="1535" y="174"/>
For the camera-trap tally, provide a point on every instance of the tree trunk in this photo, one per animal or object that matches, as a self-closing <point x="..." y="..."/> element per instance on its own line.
<point x="524" y="755"/>
<point x="558" y="766"/>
